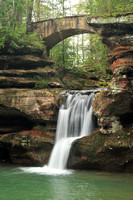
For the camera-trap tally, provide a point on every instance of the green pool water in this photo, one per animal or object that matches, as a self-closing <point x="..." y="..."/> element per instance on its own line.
<point x="16" y="184"/>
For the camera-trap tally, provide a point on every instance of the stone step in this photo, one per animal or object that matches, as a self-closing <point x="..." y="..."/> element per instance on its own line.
<point x="36" y="74"/>
<point x="23" y="62"/>
<point x="18" y="82"/>
<point x="13" y="82"/>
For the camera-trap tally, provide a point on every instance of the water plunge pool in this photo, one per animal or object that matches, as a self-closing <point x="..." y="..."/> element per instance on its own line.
<point x="16" y="184"/>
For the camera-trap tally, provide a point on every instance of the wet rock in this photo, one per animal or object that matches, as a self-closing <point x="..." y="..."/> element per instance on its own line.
<point x="30" y="148"/>
<point x="101" y="152"/>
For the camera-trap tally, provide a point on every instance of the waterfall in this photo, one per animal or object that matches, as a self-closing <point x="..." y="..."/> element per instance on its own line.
<point x="75" y="120"/>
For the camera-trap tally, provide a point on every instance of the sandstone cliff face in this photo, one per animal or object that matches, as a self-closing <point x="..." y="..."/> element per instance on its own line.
<point x="30" y="89"/>
<point x="114" y="107"/>
<point x="27" y="126"/>
<point x="29" y="103"/>
<point x="111" y="146"/>
<point x="35" y="105"/>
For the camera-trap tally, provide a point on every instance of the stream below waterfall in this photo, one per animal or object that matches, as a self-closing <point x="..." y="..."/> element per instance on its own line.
<point x="15" y="184"/>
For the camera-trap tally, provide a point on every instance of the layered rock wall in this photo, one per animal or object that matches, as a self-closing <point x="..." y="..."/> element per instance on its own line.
<point x="114" y="106"/>
<point x="110" y="147"/>
<point x="29" y="103"/>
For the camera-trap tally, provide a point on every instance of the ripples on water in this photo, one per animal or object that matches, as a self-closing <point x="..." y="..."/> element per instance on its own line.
<point x="18" y="184"/>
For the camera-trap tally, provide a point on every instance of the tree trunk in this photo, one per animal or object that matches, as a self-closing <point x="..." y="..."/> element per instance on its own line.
<point x="12" y="24"/>
<point x="38" y="10"/>
<point x="77" y="49"/>
<point x="83" y="48"/>
<point x="29" y="13"/>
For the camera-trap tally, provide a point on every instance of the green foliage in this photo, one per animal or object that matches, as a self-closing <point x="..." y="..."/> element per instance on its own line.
<point x="97" y="55"/>
<point x="11" y="39"/>
<point x="41" y="84"/>
<point x="12" y="12"/>
<point x="82" y="57"/>
<point x="13" y="27"/>
<point x="37" y="77"/>
<point x="78" y="71"/>
<point x="109" y="7"/>
<point x="57" y="53"/>
<point x="102" y="83"/>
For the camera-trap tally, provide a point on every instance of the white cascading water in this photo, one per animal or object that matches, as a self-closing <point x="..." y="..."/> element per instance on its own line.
<point x="75" y="120"/>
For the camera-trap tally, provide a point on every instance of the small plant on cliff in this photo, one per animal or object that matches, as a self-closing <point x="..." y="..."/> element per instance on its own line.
<point x="37" y="77"/>
<point x="41" y="84"/>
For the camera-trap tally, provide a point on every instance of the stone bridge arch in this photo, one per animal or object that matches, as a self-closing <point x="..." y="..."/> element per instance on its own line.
<point x="112" y="29"/>
<point x="55" y="30"/>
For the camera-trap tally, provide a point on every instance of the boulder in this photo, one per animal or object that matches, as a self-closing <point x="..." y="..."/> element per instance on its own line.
<point x="30" y="148"/>
<point x="103" y="152"/>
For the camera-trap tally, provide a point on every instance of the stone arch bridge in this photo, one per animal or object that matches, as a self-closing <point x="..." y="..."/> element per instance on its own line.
<point x="55" y="30"/>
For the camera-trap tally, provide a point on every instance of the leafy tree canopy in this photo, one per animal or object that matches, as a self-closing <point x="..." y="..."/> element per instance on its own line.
<point x="13" y="20"/>
<point x="108" y="7"/>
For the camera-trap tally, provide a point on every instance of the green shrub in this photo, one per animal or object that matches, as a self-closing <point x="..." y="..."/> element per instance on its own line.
<point x="41" y="84"/>
<point x="11" y="40"/>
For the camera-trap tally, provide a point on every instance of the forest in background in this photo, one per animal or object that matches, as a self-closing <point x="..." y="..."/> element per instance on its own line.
<point x="82" y="50"/>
